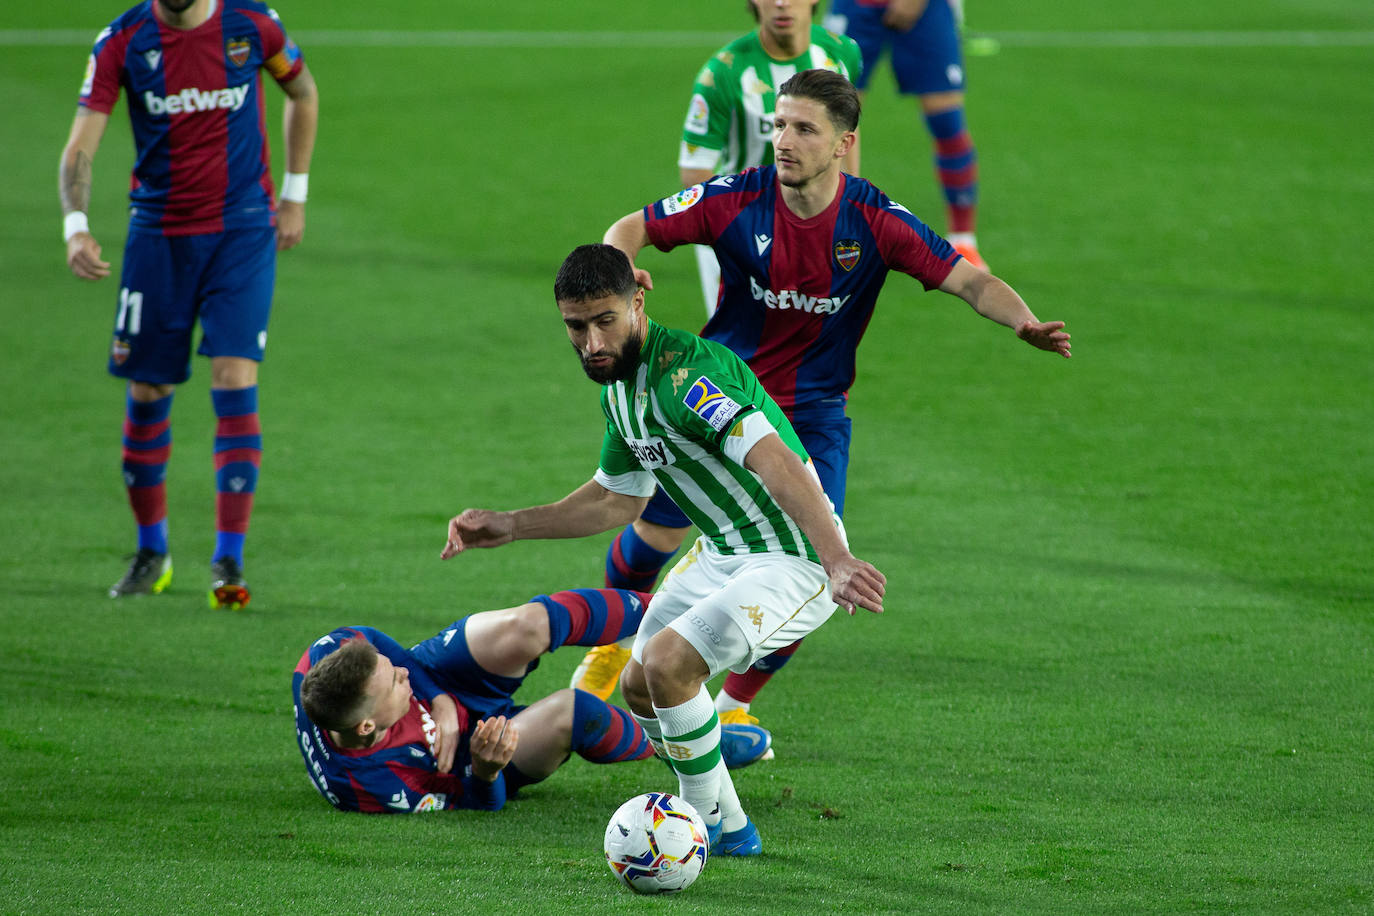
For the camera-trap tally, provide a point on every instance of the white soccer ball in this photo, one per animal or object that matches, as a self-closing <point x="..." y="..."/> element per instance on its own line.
<point x="656" y="843"/>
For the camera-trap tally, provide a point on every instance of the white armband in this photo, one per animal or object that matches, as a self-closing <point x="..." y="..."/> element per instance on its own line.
<point x="73" y="223"/>
<point x="294" y="187"/>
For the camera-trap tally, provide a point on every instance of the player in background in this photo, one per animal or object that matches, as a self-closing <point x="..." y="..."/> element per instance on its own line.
<point x="804" y="251"/>
<point x="204" y="230"/>
<point x="384" y="729"/>
<point x="927" y="62"/>
<point x="689" y="416"/>
<point x="729" y="128"/>
<point x="729" y="123"/>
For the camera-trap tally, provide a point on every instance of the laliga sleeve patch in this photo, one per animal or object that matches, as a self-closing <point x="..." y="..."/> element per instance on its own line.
<point x="434" y="801"/>
<point x="698" y="115"/>
<point x="711" y="404"/>
<point x="682" y="200"/>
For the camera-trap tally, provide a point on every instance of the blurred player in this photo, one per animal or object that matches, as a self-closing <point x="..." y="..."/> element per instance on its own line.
<point x="927" y="62"/>
<point x="729" y="124"/>
<point x="204" y="230"/>
<point x="729" y="128"/>
<point x="385" y="729"/>
<point x="804" y="251"/>
<point x="688" y="415"/>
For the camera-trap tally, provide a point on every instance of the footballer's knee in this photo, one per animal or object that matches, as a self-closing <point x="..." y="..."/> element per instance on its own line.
<point x="506" y="641"/>
<point x="673" y="668"/>
<point x="635" y="689"/>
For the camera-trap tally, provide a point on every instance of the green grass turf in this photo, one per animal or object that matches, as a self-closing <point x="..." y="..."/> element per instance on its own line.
<point x="1125" y="665"/>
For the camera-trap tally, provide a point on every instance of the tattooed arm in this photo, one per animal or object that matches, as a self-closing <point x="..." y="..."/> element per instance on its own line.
<point x="74" y="187"/>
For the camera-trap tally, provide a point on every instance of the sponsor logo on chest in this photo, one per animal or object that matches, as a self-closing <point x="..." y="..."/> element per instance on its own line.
<point x="192" y="100"/>
<point x="791" y="299"/>
<point x="650" y="453"/>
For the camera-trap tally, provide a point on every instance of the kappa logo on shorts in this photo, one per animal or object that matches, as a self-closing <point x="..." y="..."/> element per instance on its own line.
<point x="710" y="631"/>
<point x="755" y="615"/>
<point x="710" y="403"/>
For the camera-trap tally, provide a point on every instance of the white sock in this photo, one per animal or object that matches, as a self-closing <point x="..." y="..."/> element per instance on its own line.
<point x="725" y="702"/>
<point x="691" y="735"/>
<point x="652" y="731"/>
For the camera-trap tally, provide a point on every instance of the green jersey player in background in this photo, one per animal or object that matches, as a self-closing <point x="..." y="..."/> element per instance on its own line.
<point x="688" y="415"/>
<point x="729" y="125"/>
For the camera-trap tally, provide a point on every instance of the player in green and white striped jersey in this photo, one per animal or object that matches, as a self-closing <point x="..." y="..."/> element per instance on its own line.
<point x="771" y="564"/>
<point x="729" y="123"/>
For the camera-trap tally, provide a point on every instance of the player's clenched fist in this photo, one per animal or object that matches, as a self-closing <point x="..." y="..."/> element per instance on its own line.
<point x="477" y="528"/>
<point x="492" y="745"/>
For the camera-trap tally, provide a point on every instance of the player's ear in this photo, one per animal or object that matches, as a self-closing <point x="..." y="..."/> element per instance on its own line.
<point x="847" y="141"/>
<point x="365" y="728"/>
<point x="637" y="302"/>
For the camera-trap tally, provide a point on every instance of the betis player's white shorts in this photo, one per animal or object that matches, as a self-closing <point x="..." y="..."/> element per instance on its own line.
<point x="735" y="609"/>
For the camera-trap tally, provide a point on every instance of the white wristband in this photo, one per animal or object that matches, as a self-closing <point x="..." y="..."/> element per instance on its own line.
<point x="73" y="223"/>
<point x="294" y="187"/>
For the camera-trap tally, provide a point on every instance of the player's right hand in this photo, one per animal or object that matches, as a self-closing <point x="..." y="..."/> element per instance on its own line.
<point x="83" y="257"/>
<point x="492" y="746"/>
<point x="477" y="528"/>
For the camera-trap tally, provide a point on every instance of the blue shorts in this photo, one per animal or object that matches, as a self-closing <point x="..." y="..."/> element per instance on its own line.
<point x="824" y="431"/>
<point x="925" y="58"/>
<point x="447" y="659"/>
<point x="222" y="279"/>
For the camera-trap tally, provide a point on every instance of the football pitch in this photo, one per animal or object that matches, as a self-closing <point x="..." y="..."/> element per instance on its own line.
<point x="1126" y="660"/>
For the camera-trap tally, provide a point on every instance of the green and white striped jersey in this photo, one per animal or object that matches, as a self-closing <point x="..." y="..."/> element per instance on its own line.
<point x="685" y="422"/>
<point x="729" y="125"/>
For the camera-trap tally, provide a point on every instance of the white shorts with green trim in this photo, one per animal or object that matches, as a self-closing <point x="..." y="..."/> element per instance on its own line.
<point x="735" y="610"/>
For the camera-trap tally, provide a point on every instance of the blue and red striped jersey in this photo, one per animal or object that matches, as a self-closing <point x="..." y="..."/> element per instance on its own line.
<point x="400" y="774"/>
<point x="195" y="101"/>
<point x="797" y="294"/>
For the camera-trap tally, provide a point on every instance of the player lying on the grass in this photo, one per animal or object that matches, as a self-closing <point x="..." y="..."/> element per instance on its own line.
<point x="390" y="730"/>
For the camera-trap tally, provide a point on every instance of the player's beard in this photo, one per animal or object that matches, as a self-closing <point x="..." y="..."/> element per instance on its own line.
<point x="622" y="365"/>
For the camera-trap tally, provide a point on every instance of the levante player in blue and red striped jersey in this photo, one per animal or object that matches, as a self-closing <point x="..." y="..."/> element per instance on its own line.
<point x="804" y="250"/>
<point x="387" y="730"/>
<point x="205" y="224"/>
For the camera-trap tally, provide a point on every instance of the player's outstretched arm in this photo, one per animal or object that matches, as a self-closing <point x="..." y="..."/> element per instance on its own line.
<point x="994" y="299"/>
<point x="629" y="235"/>
<point x="74" y="188"/>
<point x="590" y="509"/>
<point x="853" y="582"/>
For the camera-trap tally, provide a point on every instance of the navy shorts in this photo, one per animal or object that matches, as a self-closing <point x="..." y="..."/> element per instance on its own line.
<point x="223" y="280"/>
<point x="447" y="659"/>
<point x="824" y="431"/>
<point x="925" y="58"/>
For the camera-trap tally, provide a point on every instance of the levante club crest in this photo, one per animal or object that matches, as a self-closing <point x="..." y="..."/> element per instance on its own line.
<point x="238" y="50"/>
<point x="847" y="254"/>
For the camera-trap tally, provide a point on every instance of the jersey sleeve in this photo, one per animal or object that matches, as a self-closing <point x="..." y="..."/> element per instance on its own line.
<point x="281" y="57"/>
<point x="707" y="406"/>
<point x="104" y="72"/>
<point x="619" y="470"/>
<point x="699" y="214"/>
<point x="706" y="129"/>
<point x="907" y="244"/>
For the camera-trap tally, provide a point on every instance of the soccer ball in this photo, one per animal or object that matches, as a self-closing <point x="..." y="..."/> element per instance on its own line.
<point x="656" y="843"/>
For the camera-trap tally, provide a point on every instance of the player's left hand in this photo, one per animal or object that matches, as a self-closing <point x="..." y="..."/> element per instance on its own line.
<point x="492" y="745"/>
<point x="444" y="712"/>
<point x="290" y="224"/>
<point x="857" y="582"/>
<point x="1045" y="335"/>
